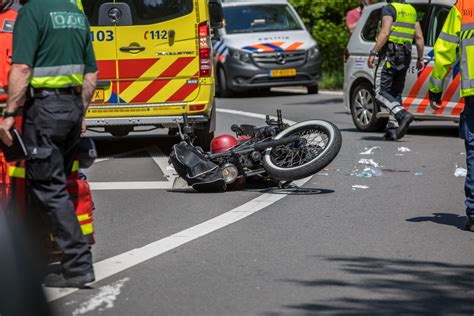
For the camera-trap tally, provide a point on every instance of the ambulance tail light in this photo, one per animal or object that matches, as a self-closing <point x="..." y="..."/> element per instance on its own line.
<point x="205" y="61"/>
<point x="197" y="107"/>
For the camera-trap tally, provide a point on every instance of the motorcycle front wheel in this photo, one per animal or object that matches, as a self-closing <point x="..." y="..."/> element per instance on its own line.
<point x="321" y="143"/>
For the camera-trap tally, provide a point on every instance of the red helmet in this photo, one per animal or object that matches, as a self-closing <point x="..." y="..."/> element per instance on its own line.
<point x="223" y="143"/>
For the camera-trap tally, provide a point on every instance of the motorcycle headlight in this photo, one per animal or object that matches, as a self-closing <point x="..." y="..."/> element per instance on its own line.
<point x="240" y="55"/>
<point x="230" y="173"/>
<point x="313" y="52"/>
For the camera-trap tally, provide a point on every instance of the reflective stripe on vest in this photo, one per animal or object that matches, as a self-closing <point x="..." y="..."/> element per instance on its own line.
<point x="20" y="172"/>
<point x="467" y="63"/>
<point x="403" y="29"/>
<point x="58" y="76"/>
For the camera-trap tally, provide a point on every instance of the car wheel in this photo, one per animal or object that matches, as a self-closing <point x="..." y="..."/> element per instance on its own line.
<point x="364" y="109"/>
<point x="223" y="90"/>
<point x="204" y="138"/>
<point x="313" y="89"/>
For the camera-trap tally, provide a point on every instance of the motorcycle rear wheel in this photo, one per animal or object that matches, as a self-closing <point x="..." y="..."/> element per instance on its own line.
<point x="289" y="163"/>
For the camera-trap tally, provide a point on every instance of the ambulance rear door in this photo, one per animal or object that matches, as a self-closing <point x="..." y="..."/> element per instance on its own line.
<point x="105" y="48"/>
<point x="157" y="54"/>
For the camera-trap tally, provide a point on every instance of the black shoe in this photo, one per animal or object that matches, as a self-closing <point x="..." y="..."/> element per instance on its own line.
<point x="58" y="280"/>
<point x="469" y="226"/>
<point x="390" y="134"/>
<point x="404" y="119"/>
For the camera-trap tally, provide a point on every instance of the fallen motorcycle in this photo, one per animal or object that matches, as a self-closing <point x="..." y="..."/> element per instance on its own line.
<point x="276" y="151"/>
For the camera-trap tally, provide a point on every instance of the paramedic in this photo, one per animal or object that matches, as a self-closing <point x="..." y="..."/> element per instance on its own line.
<point x="456" y="36"/>
<point x="53" y="62"/>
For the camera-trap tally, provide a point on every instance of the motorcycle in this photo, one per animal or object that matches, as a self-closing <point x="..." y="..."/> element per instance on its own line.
<point x="277" y="152"/>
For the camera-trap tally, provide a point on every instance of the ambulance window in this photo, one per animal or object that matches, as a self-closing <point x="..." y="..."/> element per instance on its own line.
<point x="440" y="14"/>
<point x="91" y="9"/>
<point x="372" y="26"/>
<point x="154" y="11"/>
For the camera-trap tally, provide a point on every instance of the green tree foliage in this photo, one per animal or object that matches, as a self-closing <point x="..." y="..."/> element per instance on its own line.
<point x="327" y="21"/>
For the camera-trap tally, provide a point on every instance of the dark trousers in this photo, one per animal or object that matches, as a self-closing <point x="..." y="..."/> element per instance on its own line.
<point x="466" y="126"/>
<point x="51" y="133"/>
<point x="390" y="76"/>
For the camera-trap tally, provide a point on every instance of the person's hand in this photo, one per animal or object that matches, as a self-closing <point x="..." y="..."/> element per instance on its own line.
<point x="420" y="65"/>
<point x="5" y="127"/>
<point x="435" y="105"/>
<point x="83" y="128"/>
<point x="370" y="62"/>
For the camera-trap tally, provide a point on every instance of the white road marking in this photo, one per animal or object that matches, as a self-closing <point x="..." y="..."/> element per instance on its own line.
<point x="250" y="114"/>
<point x="138" y="185"/>
<point x="127" y="260"/>
<point x="304" y="90"/>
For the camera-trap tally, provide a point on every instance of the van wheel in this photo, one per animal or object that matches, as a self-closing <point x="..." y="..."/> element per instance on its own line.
<point x="223" y="90"/>
<point x="364" y="109"/>
<point x="313" y="89"/>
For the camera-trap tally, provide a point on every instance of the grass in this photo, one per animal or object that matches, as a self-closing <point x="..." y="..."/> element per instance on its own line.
<point x="332" y="80"/>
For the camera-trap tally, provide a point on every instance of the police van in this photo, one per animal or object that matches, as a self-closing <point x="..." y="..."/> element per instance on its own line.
<point x="264" y="44"/>
<point x="155" y="63"/>
<point x="359" y="97"/>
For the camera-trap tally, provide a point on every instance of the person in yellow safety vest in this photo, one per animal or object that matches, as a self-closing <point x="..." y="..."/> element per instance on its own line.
<point x="394" y="45"/>
<point x="79" y="4"/>
<point x="456" y="43"/>
<point x="57" y="86"/>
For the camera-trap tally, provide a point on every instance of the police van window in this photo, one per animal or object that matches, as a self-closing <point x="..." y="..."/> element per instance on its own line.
<point x="440" y="13"/>
<point x="260" y="18"/>
<point x="422" y="11"/>
<point x="154" y="11"/>
<point x="372" y="26"/>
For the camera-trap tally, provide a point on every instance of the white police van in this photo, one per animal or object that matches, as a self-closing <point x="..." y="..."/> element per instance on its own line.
<point x="359" y="97"/>
<point x="264" y="44"/>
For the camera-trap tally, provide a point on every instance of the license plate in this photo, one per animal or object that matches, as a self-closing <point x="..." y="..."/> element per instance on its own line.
<point x="284" y="73"/>
<point x="99" y="95"/>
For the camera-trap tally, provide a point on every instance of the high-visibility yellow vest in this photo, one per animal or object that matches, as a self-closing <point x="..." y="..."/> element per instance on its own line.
<point x="79" y="4"/>
<point x="456" y="36"/>
<point x="403" y="29"/>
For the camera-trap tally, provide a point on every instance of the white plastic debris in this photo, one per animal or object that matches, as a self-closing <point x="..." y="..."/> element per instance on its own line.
<point x="370" y="162"/>
<point x="361" y="187"/>
<point x="418" y="173"/>
<point x="103" y="300"/>
<point x="369" y="151"/>
<point x="399" y="155"/>
<point x="404" y="149"/>
<point x="460" y="172"/>
<point x="324" y="174"/>
<point x="369" y="172"/>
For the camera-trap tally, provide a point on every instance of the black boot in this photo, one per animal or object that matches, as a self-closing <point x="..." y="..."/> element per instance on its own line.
<point x="469" y="226"/>
<point x="58" y="280"/>
<point x="391" y="131"/>
<point x="404" y="119"/>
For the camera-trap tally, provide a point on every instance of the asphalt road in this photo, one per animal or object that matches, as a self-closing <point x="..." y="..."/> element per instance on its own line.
<point x="394" y="247"/>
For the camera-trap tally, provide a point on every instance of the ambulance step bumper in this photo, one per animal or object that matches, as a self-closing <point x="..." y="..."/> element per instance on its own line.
<point x="142" y="121"/>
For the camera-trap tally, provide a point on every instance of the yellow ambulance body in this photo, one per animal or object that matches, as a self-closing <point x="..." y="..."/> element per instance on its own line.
<point x="155" y="64"/>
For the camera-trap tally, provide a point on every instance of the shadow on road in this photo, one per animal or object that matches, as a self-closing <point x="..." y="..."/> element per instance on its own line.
<point x="391" y="286"/>
<point x="448" y="219"/>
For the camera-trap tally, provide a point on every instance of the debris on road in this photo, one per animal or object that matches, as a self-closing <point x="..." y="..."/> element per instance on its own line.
<point x="369" y="151"/>
<point x="370" y="162"/>
<point x="460" y="172"/>
<point x="404" y="149"/>
<point x="361" y="187"/>
<point x="395" y="170"/>
<point x="103" y="300"/>
<point x="369" y="172"/>
<point x="399" y="155"/>
<point x="323" y="174"/>
<point x="418" y="173"/>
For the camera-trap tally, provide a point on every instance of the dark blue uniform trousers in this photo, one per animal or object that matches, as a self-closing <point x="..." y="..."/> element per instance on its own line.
<point x="466" y="126"/>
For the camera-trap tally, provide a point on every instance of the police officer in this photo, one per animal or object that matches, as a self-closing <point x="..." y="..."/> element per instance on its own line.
<point x="456" y="40"/>
<point x="8" y="13"/>
<point x="54" y="62"/>
<point x="394" y="45"/>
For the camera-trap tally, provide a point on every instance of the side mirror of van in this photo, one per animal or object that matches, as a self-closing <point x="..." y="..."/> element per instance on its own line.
<point x="216" y="13"/>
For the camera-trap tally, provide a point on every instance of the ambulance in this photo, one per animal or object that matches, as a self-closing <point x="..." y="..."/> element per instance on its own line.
<point x="155" y="64"/>
<point x="359" y="98"/>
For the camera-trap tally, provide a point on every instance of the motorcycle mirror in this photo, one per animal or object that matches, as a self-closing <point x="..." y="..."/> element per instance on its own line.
<point x="235" y="128"/>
